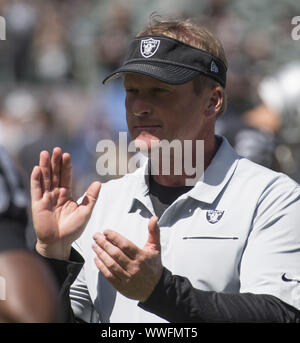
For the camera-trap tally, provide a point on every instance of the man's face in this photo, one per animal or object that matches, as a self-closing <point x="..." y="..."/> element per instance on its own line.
<point x="156" y="110"/>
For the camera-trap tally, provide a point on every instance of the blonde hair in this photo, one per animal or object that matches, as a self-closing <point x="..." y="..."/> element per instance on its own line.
<point x="194" y="34"/>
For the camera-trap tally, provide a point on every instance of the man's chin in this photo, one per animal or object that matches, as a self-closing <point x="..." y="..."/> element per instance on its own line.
<point x="145" y="144"/>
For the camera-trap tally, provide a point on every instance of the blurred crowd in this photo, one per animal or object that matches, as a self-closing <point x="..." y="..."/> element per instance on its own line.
<point x="57" y="52"/>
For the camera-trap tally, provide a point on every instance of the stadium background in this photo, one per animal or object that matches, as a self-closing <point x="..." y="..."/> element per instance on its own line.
<point x="57" y="52"/>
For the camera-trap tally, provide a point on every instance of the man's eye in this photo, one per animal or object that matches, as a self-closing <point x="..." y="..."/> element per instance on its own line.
<point x="130" y="90"/>
<point x="160" y="90"/>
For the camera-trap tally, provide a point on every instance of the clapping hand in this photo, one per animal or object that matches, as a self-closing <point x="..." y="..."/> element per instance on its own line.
<point x="58" y="219"/>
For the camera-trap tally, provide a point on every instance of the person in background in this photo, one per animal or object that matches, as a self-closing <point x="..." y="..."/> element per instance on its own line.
<point x="278" y="114"/>
<point x="28" y="290"/>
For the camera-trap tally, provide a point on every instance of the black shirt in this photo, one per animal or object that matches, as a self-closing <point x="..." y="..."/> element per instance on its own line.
<point x="163" y="196"/>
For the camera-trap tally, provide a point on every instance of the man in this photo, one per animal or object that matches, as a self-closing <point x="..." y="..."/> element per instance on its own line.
<point x="224" y="249"/>
<point x="28" y="292"/>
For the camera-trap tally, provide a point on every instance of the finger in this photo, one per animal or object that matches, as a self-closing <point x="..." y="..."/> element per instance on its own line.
<point x="108" y="248"/>
<point x="66" y="171"/>
<point x="154" y="234"/>
<point x="35" y="184"/>
<point x="93" y="191"/>
<point x="46" y="171"/>
<point x="56" y="162"/>
<point x="90" y="198"/>
<point x="105" y="271"/>
<point x="111" y="264"/>
<point x="125" y="245"/>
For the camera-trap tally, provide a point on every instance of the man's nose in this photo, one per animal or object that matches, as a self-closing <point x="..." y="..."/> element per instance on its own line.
<point x="141" y="108"/>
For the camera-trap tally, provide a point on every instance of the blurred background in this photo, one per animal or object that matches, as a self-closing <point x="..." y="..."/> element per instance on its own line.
<point x="56" y="54"/>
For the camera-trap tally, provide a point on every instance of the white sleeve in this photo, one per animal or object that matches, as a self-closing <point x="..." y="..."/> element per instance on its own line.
<point x="271" y="260"/>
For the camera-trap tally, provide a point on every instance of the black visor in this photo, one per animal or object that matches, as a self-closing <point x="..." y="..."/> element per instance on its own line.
<point x="170" y="61"/>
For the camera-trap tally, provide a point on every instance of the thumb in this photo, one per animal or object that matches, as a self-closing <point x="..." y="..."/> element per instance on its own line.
<point x="154" y="234"/>
<point x="91" y="196"/>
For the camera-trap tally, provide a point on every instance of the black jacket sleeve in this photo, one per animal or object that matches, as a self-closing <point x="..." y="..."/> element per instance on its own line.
<point x="65" y="273"/>
<point x="12" y="235"/>
<point x="176" y="300"/>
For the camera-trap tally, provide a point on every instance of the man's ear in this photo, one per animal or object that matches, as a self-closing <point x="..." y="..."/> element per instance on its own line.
<point x="215" y="101"/>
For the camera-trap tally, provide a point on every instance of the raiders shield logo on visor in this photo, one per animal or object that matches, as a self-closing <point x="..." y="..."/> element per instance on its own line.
<point x="213" y="216"/>
<point x="149" y="47"/>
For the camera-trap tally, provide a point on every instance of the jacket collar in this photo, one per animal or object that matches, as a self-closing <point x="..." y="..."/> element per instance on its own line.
<point x="207" y="189"/>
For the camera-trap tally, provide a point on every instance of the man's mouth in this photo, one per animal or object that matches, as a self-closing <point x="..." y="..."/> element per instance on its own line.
<point x="148" y="128"/>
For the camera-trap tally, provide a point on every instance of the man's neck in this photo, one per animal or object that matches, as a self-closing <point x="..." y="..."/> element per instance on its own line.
<point x="172" y="180"/>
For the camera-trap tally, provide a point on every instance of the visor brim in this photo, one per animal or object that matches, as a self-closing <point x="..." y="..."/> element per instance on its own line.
<point x="171" y="74"/>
